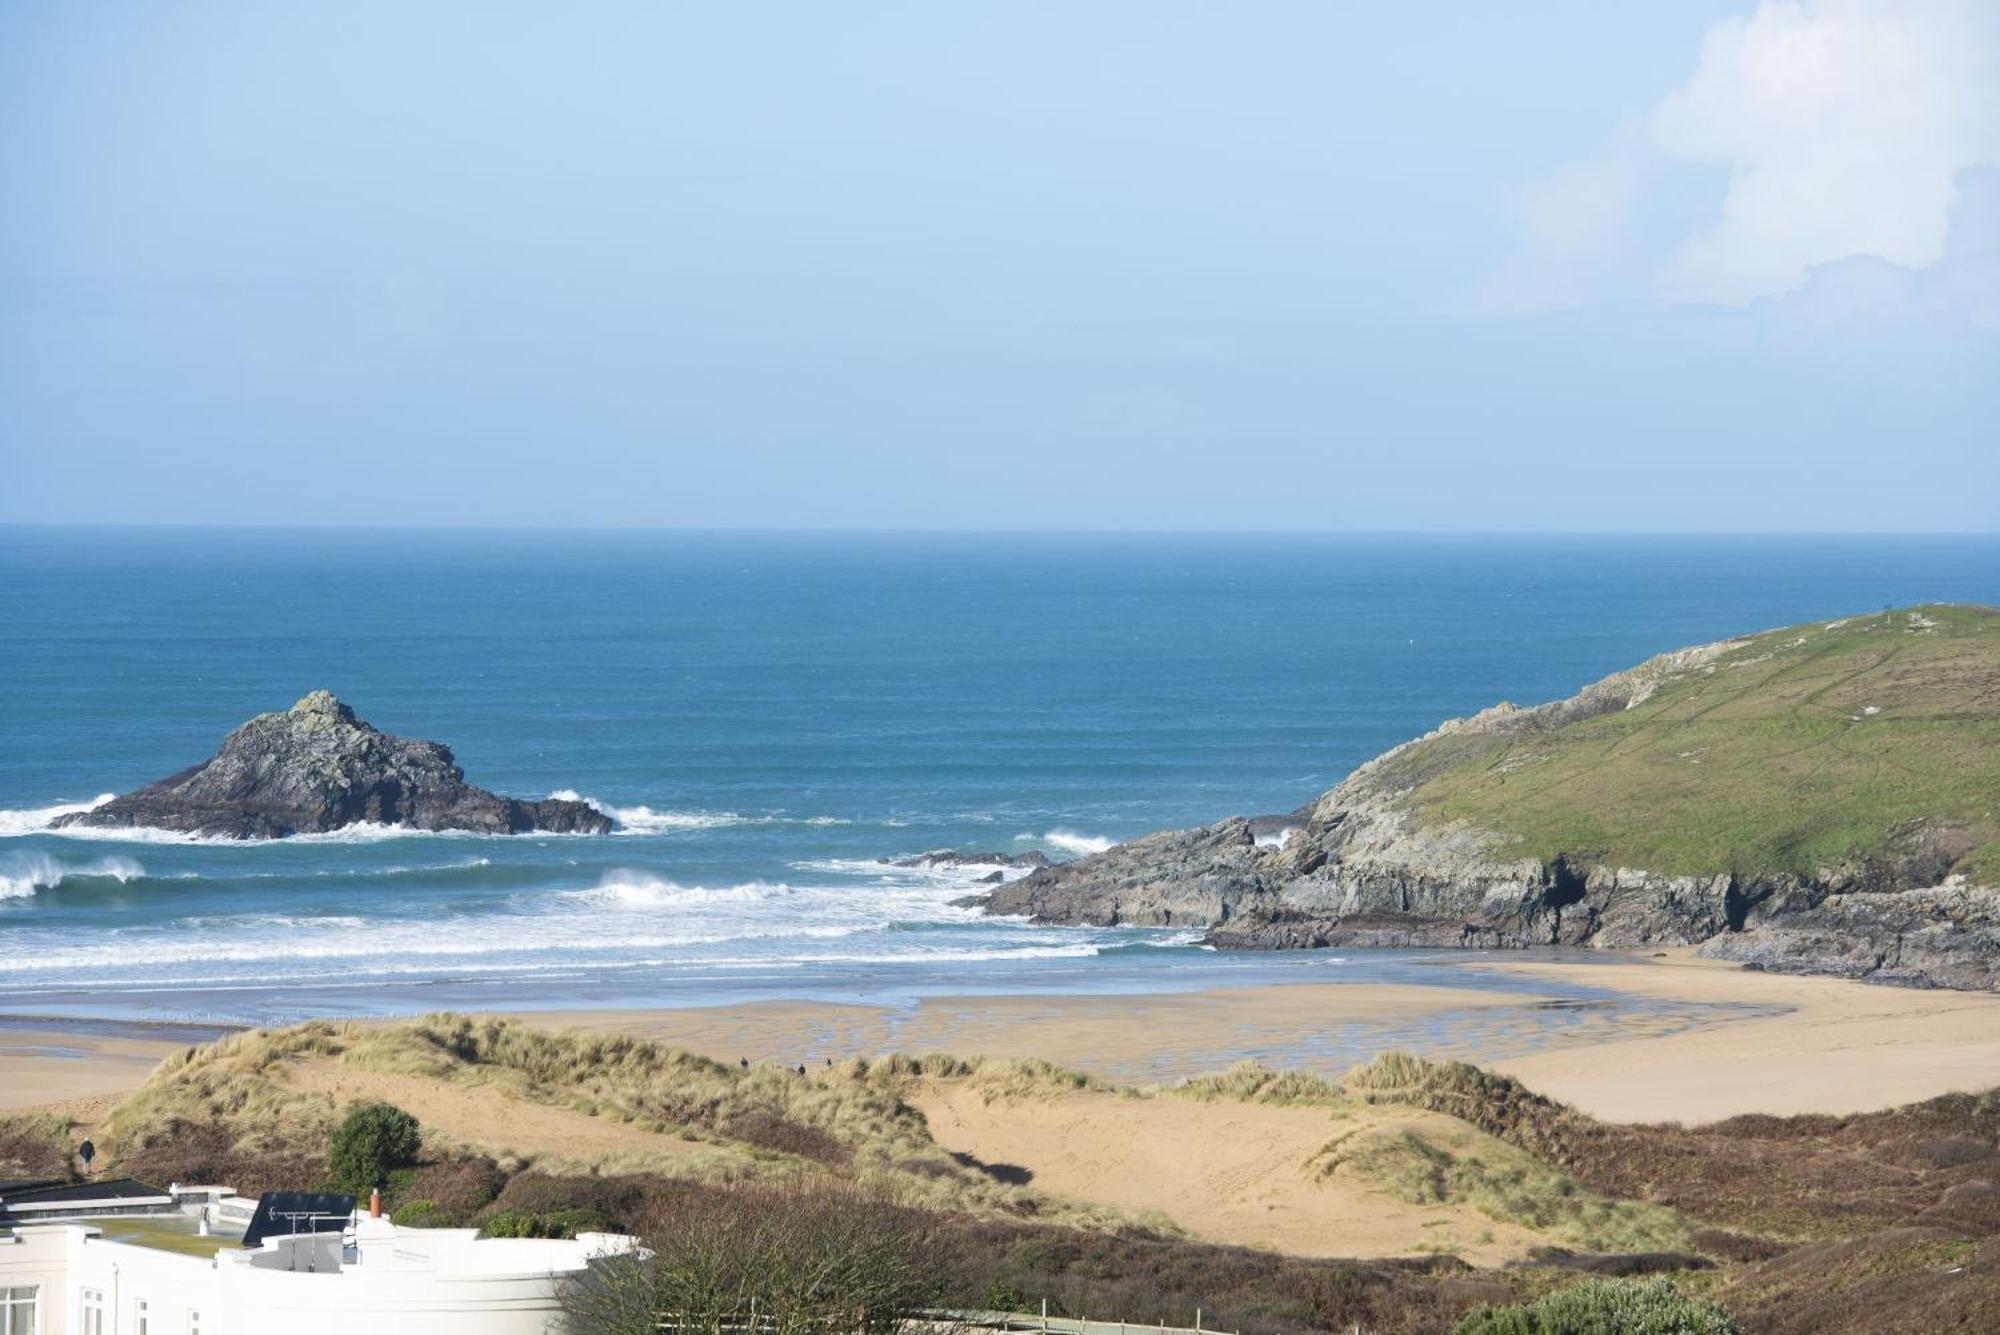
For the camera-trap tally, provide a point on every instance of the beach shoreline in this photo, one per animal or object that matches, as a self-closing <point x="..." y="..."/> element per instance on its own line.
<point x="1664" y="1036"/>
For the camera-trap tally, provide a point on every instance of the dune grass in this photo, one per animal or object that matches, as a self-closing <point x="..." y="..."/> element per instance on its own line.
<point x="764" y="1123"/>
<point x="35" y="1145"/>
<point x="995" y="1078"/>
<point x="1796" y="750"/>
<point x="1252" y="1082"/>
<point x="1452" y="1162"/>
<point x="1470" y="1168"/>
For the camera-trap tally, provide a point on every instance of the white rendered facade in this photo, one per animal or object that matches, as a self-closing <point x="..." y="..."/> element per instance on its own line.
<point x="387" y="1280"/>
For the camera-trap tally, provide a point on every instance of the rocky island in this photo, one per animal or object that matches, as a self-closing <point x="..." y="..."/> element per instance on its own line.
<point x="1823" y="799"/>
<point x="317" y="767"/>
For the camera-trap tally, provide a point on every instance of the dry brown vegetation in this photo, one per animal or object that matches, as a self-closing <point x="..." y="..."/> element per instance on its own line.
<point x="1787" y="1178"/>
<point x="243" y="1110"/>
<point x="35" y="1145"/>
<point x="1884" y="1221"/>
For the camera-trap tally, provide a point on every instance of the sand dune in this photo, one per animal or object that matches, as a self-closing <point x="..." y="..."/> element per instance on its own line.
<point x="486" y="1117"/>
<point x="1248" y="1174"/>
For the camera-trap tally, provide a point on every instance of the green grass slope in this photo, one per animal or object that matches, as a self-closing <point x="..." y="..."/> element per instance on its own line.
<point x="1842" y="742"/>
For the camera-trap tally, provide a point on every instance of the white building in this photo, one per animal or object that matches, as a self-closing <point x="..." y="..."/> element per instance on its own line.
<point x="157" y="1274"/>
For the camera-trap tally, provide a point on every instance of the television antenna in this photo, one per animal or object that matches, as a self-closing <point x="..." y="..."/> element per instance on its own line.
<point x="309" y="1218"/>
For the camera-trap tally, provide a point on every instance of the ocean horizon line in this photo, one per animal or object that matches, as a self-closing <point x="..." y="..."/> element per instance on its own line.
<point x="923" y="531"/>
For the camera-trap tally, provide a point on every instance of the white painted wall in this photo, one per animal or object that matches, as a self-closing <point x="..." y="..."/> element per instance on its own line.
<point x="435" y="1281"/>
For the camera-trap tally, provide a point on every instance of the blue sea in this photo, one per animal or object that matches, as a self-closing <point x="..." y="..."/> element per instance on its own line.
<point x="768" y="717"/>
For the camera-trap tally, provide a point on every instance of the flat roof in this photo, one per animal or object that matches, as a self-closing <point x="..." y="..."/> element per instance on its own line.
<point x="80" y="1195"/>
<point x="9" y="1185"/>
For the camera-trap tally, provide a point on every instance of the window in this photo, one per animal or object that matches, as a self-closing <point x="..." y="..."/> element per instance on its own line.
<point x="92" y="1303"/>
<point x="17" y="1310"/>
<point x="140" y="1313"/>
<point x="194" y="1322"/>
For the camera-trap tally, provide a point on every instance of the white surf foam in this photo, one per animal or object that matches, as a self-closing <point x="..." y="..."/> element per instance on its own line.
<point x="627" y="820"/>
<point x="360" y="833"/>
<point x="22" y="874"/>
<point x="36" y="820"/>
<point x="644" y="819"/>
<point x="633" y="889"/>
<point x="324" y="921"/>
<point x="960" y="875"/>
<point x="1068" y="841"/>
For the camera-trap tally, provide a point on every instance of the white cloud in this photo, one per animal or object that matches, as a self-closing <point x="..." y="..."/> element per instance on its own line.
<point x="1572" y="226"/>
<point x="1842" y="125"/>
<point x="1963" y="282"/>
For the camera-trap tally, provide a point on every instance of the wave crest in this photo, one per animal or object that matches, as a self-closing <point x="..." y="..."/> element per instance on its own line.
<point x="634" y="889"/>
<point x="23" y="874"/>
<point x="645" y="820"/>
<point x="1068" y="841"/>
<point x="34" y="820"/>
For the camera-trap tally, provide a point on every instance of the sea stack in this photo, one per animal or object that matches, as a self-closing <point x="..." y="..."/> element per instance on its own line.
<point x="317" y="767"/>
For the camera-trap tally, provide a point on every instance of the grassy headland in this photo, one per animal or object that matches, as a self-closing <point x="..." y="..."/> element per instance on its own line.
<point x="1841" y="742"/>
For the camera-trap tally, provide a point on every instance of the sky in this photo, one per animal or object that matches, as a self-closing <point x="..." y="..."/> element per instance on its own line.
<point x="1568" y="266"/>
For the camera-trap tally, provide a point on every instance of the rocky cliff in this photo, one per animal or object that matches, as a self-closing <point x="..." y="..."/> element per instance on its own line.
<point x="1820" y="799"/>
<point x="316" y="767"/>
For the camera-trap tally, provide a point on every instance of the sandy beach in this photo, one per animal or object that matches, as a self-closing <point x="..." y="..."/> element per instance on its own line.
<point x="1670" y="1038"/>
<point x="1770" y="1043"/>
<point x="52" y="1063"/>
<point x="1837" y="1047"/>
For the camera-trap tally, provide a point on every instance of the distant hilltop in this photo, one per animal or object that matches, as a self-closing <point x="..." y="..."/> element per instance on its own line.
<point x="1824" y="798"/>
<point x="316" y="767"/>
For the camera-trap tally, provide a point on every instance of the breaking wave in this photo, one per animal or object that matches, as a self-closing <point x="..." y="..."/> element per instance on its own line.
<point x="23" y="874"/>
<point x="631" y="889"/>
<point x="645" y="820"/>
<point x="36" y="820"/>
<point x="627" y="820"/>
<point x="1068" y="841"/>
<point x="961" y="875"/>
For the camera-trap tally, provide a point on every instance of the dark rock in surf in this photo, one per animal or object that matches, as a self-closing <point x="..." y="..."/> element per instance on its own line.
<point x="952" y="857"/>
<point x="316" y="767"/>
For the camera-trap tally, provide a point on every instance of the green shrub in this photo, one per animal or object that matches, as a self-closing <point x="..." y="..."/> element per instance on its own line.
<point x="1605" y="1307"/>
<point x="423" y="1214"/>
<point x="1001" y="1296"/>
<point x="370" y="1143"/>
<point x="553" y="1224"/>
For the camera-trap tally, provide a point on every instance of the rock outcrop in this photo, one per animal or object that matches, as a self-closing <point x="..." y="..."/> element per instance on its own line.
<point x="947" y="858"/>
<point x="316" y="767"/>
<point x="1369" y="864"/>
